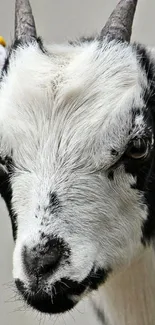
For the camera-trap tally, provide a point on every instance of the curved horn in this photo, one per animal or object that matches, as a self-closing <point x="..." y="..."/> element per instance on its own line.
<point x="24" y="20"/>
<point x="119" y="24"/>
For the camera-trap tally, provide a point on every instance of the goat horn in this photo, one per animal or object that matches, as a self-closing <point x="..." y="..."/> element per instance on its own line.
<point x="119" y="24"/>
<point x="24" y="20"/>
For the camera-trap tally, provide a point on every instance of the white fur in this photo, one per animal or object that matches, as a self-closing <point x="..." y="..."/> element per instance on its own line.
<point x="127" y="298"/>
<point x="61" y="114"/>
<point x="3" y="54"/>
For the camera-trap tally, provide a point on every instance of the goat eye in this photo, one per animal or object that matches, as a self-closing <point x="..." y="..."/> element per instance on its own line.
<point x="138" y="149"/>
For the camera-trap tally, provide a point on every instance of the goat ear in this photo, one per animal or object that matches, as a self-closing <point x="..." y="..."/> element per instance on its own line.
<point x="119" y="24"/>
<point x="24" y="21"/>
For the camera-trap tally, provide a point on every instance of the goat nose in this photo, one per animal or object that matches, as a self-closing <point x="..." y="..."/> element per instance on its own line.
<point x="41" y="260"/>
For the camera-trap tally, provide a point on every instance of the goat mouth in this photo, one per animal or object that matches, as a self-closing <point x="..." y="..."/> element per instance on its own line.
<point x="57" y="301"/>
<point x="44" y="302"/>
<point x="65" y="293"/>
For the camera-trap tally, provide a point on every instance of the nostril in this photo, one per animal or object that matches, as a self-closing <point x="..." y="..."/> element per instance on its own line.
<point x="49" y="261"/>
<point x="40" y="260"/>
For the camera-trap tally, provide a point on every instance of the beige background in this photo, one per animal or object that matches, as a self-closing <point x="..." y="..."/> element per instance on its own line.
<point x="58" y="20"/>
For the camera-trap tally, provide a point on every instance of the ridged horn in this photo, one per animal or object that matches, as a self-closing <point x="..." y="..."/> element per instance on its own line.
<point x="24" y="21"/>
<point x="119" y="24"/>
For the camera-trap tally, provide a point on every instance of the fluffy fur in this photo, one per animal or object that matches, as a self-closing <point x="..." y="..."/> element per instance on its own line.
<point x="68" y="115"/>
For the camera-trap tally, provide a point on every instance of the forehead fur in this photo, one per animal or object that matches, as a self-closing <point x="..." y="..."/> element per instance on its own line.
<point x="71" y="94"/>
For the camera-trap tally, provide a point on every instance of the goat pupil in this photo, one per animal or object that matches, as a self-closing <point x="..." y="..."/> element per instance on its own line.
<point x="138" y="149"/>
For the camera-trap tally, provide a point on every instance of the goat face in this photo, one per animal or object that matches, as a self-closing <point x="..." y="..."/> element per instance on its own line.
<point x="77" y="139"/>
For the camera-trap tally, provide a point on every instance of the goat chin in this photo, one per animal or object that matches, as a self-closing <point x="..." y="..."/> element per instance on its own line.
<point x="129" y="296"/>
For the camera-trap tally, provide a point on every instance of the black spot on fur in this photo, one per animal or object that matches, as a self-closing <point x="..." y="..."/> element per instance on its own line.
<point x="148" y="228"/>
<point x="134" y="186"/>
<point x="42" y="235"/>
<point x="7" y="161"/>
<point x="54" y="203"/>
<point x="92" y="281"/>
<point x="114" y="152"/>
<point x="98" y="277"/>
<point x="138" y="112"/>
<point x="100" y="314"/>
<point x="111" y="175"/>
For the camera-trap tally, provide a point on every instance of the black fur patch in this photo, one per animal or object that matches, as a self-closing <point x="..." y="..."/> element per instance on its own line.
<point x="43" y="302"/>
<point x="54" y="203"/>
<point x="144" y="171"/>
<point x="6" y="193"/>
<point x="111" y="175"/>
<point x="114" y="152"/>
<point x="146" y="174"/>
<point x="61" y="300"/>
<point x="147" y="65"/>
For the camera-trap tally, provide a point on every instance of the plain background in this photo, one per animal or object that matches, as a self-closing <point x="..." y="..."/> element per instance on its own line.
<point x="58" y="21"/>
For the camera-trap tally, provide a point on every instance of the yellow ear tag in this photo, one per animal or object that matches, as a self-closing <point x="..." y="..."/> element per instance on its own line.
<point x="2" y="41"/>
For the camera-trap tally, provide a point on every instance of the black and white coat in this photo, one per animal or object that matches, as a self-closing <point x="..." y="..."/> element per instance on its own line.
<point x="77" y="170"/>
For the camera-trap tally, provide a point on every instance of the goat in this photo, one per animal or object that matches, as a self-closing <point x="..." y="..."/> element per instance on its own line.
<point x="77" y="168"/>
